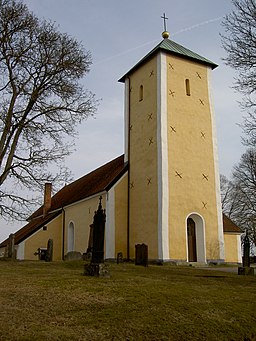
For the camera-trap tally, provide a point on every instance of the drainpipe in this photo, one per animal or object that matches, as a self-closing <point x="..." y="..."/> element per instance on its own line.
<point x="63" y="233"/>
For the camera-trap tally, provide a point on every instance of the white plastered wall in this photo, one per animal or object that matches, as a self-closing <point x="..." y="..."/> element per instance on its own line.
<point x="126" y="118"/>
<point x="216" y="169"/>
<point x="162" y="144"/>
<point x="239" y="248"/>
<point x="20" y="251"/>
<point x="110" y="224"/>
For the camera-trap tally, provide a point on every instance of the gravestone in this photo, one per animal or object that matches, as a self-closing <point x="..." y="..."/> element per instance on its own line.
<point x="98" y="235"/>
<point x="73" y="255"/>
<point x="97" y="270"/>
<point x="49" y="252"/>
<point x="11" y="246"/>
<point x="119" y="258"/>
<point x="246" y="255"/>
<point x="141" y="254"/>
<point x="97" y="266"/>
<point x="246" y="269"/>
<point x="41" y="253"/>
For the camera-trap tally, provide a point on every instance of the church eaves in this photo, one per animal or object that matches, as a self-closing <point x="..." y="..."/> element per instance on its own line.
<point x="230" y="226"/>
<point x="171" y="47"/>
<point x="101" y="179"/>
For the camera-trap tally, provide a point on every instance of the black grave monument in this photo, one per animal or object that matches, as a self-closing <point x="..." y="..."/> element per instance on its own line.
<point x="246" y="269"/>
<point x="97" y="266"/>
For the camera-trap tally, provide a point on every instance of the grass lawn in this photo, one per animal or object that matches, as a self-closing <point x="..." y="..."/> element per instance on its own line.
<point x="54" y="301"/>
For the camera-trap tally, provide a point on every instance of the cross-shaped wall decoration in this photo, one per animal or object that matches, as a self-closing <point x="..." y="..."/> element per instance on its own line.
<point x="149" y="181"/>
<point x="204" y="205"/>
<point x="150" y="141"/>
<point x="173" y="129"/>
<point x="178" y="174"/>
<point x="150" y="116"/>
<point x="131" y="127"/>
<point x="130" y="89"/>
<point x="201" y="101"/>
<point x="171" y="66"/>
<point x="205" y="177"/>
<point x="89" y="209"/>
<point x="171" y="93"/>
<point x="198" y="75"/>
<point x="131" y="185"/>
<point x="151" y="73"/>
<point x="202" y="135"/>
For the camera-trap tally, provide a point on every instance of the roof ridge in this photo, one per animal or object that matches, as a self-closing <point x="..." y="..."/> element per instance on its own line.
<point x="172" y="47"/>
<point x="184" y="50"/>
<point x="93" y="186"/>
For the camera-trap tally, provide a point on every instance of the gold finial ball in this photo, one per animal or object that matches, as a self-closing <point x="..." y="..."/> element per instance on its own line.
<point x="165" y="35"/>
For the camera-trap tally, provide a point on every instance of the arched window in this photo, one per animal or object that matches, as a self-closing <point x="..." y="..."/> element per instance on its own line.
<point x="141" y="93"/>
<point x="187" y="84"/>
<point x="71" y="237"/>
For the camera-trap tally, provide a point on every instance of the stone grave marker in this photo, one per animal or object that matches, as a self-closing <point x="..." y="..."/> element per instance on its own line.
<point x="99" y="221"/>
<point x="73" y="255"/>
<point x="246" y="269"/>
<point x="119" y="258"/>
<point x="49" y="252"/>
<point x="11" y="246"/>
<point x="141" y="254"/>
<point x="97" y="266"/>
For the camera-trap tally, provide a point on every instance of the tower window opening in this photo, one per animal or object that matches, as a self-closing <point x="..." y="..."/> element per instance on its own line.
<point x="187" y="84"/>
<point x="141" y="93"/>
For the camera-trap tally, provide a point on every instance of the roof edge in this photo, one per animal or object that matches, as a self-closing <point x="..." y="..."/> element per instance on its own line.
<point x="118" y="177"/>
<point x="18" y="240"/>
<point x="172" y="48"/>
<point x="230" y="227"/>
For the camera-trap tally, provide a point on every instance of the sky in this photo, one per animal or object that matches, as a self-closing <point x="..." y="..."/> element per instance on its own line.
<point x="118" y="33"/>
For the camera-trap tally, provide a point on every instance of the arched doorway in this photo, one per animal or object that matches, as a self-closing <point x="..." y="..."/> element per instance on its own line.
<point x="195" y="238"/>
<point x="71" y="237"/>
<point x="191" y="237"/>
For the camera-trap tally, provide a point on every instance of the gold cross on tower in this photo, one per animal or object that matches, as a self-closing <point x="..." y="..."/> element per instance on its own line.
<point x="165" y="18"/>
<point x="165" y="34"/>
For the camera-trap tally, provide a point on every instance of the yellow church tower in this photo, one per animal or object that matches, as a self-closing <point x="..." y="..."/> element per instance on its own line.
<point x="170" y="145"/>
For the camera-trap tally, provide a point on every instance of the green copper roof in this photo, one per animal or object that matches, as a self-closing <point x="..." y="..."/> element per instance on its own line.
<point x="171" y="47"/>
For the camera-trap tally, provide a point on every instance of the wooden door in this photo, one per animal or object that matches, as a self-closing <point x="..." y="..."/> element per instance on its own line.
<point x="191" y="232"/>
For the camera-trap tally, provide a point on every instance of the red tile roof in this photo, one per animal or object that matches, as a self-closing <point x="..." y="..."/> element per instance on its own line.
<point x="229" y="226"/>
<point x="99" y="180"/>
<point x="95" y="182"/>
<point x="30" y="228"/>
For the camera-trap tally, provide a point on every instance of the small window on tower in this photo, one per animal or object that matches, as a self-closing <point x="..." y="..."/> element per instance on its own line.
<point x="141" y="93"/>
<point x="44" y="228"/>
<point x="187" y="84"/>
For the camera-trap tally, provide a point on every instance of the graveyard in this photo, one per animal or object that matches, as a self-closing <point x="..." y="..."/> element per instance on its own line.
<point x="94" y="299"/>
<point x="56" y="301"/>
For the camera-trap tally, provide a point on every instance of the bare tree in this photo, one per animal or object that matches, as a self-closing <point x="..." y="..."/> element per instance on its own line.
<point x="244" y="178"/>
<point x="41" y="103"/>
<point x="239" y="41"/>
<point x="239" y="194"/>
<point x="228" y="196"/>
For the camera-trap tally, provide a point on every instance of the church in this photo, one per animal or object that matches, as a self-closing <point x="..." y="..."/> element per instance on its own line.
<point x="164" y="191"/>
